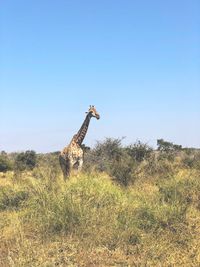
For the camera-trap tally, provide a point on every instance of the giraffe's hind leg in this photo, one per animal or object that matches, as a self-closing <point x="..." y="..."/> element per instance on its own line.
<point x="80" y="164"/>
<point x="65" y="167"/>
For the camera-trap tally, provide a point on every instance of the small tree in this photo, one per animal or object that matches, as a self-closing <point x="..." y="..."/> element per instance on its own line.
<point x="25" y="160"/>
<point x="139" y="151"/>
<point x="167" y="146"/>
<point x="103" y="155"/>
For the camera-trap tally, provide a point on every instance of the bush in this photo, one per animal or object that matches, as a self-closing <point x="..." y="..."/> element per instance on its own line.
<point x="111" y="157"/>
<point x="5" y="163"/>
<point x="139" y="151"/>
<point x="47" y="166"/>
<point x="103" y="155"/>
<point x="25" y="160"/>
<point x="123" y="170"/>
<point x="118" y="161"/>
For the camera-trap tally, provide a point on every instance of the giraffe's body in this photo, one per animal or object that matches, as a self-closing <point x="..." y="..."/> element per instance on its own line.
<point x="72" y="155"/>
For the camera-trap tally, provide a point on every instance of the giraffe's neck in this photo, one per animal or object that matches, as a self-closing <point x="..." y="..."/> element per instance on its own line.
<point x="83" y="130"/>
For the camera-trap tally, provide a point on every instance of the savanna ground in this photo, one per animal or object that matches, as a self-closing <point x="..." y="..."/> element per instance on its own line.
<point x="130" y="206"/>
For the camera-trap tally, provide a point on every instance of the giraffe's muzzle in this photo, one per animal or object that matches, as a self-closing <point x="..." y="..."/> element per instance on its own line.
<point x="97" y="116"/>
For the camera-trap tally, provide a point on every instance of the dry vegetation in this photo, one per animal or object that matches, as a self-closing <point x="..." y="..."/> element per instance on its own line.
<point x="145" y="214"/>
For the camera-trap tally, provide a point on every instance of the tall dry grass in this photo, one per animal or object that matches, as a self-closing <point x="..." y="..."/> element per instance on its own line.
<point x="92" y="220"/>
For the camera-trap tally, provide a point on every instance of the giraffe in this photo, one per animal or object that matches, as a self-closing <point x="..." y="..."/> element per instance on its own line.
<point x="72" y="155"/>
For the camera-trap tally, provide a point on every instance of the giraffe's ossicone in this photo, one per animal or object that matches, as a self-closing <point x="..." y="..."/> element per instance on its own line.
<point x="71" y="157"/>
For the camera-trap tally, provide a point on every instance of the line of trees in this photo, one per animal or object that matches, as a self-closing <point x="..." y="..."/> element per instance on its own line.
<point x="110" y="156"/>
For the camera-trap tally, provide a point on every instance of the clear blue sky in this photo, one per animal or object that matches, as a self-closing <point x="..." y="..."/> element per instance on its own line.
<point x="137" y="61"/>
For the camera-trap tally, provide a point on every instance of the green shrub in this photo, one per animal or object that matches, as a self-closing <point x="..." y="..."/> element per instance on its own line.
<point x="123" y="170"/>
<point x="139" y="151"/>
<point x="25" y="160"/>
<point x="47" y="166"/>
<point x="118" y="161"/>
<point x="5" y="163"/>
<point x="104" y="154"/>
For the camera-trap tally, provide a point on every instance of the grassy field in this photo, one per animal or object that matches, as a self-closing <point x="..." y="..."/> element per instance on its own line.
<point x="91" y="220"/>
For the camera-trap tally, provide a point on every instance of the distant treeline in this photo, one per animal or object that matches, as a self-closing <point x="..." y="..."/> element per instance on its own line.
<point x="110" y="156"/>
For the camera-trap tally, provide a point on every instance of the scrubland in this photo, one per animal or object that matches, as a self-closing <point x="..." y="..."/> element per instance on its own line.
<point x="128" y="207"/>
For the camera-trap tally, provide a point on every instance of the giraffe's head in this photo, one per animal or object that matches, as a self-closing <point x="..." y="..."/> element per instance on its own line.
<point x="93" y="112"/>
